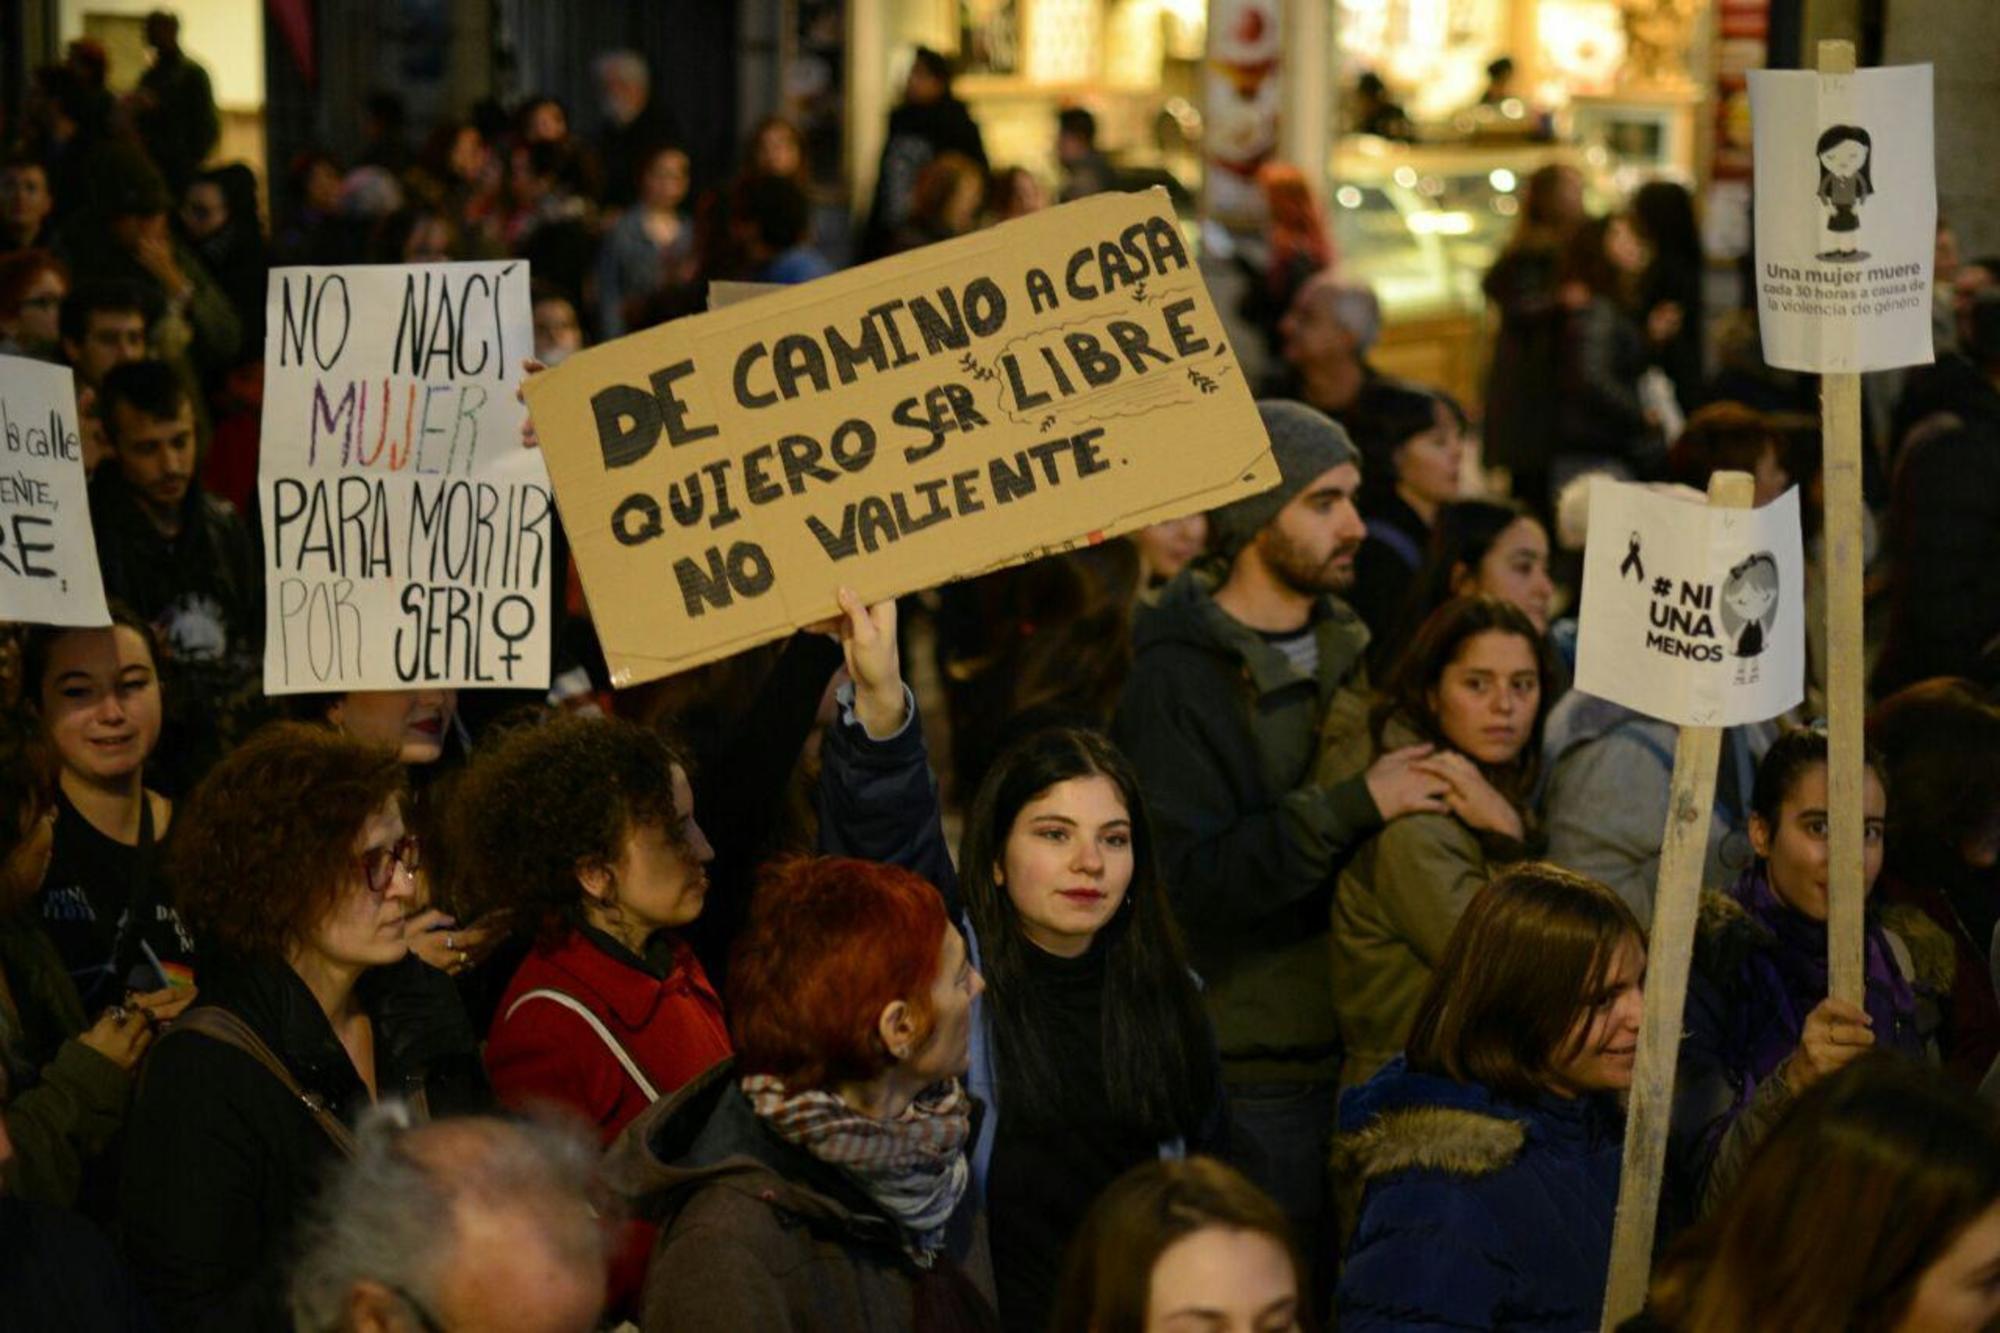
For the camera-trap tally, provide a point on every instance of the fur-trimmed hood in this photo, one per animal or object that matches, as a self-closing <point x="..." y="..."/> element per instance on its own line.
<point x="1401" y="1121"/>
<point x="1476" y="1212"/>
<point x="1429" y="1138"/>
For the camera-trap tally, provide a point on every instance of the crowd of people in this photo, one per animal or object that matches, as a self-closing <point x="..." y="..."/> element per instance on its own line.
<point x="1288" y="966"/>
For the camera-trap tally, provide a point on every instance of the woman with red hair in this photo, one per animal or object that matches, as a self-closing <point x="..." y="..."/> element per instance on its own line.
<point x="810" y="1182"/>
<point x="32" y="286"/>
<point x="1298" y="246"/>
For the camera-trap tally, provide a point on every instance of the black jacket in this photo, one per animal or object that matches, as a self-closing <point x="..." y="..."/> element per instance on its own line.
<point x="1527" y="355"/>
<point x="1385" y="568"/>
<point x="59" y="1272"/>
<point x="221" y="1161"/>
<point x="1225" y="735"/>
<point x="203" y="592"/>
<point x="1600" y="412"/>
<point x="916" y="135"/>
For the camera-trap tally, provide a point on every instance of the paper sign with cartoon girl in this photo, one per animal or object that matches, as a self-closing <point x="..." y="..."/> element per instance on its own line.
<point x="1750" y="606"/>
<point x="1846" y="217"/>
<point x="1710" y="633"/>
<point x="1846" y="180"/>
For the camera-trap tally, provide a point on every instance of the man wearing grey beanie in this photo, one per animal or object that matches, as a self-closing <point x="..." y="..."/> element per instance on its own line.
<point x="1234" y="675"/>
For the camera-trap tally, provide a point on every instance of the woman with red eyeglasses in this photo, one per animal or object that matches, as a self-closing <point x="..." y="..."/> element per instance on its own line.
<point x="293" y="867"/>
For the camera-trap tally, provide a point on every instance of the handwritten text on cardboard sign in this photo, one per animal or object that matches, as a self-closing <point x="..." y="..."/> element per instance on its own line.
<point x="972" y="404"/>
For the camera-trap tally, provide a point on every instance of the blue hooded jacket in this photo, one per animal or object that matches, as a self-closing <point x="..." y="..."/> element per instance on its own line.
<point x="1478" y="1212"/>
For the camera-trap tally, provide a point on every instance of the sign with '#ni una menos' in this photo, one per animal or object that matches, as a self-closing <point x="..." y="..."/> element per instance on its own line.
<point x="48" y="557"/>
<point x="407" y="534"/>
<point x="1691" y="613"/>
<point x="1846" y="205"/>
<point x="1041" y="385"/>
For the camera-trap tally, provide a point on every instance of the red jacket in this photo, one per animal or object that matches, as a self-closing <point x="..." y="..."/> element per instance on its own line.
<point x="541" y="1050"/>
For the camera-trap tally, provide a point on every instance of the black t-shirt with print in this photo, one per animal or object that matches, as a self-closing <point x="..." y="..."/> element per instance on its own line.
<point x="85" y="899"/>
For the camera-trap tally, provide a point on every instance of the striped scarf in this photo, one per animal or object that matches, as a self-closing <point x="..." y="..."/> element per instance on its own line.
<point x="913" y="1164"/>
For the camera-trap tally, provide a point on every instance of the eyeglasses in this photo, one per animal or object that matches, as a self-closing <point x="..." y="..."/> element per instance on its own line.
<point x="379" y="863"/>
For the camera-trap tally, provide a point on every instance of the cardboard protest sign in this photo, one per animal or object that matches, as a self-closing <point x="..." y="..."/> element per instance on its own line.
<point x="1048" y="383"/>
<point x="722" y="292"/>
<point x="407" y="534"/>
<point x="1846" y="208"/>
<point x="1691" y="613"/>
<point x="48" y="556"/>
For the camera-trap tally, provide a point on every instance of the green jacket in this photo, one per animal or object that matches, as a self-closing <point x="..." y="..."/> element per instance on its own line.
<point x="1224" y="733"/>
<point x="66" y="1101"/>
<point x="1399" y="900"/>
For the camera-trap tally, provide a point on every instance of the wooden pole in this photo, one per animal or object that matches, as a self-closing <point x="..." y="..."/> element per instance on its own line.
<point x="1840" y="428"/>
<point x="1669" y="954"/>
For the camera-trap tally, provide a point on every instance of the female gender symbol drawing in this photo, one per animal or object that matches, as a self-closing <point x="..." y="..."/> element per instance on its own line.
<point x="1846" y="180"/>
<point x="1750" y="602"/>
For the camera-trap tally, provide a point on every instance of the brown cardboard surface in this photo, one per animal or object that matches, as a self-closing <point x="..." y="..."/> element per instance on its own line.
<point x="723" y="293"/>
<point x="1038" y="386"/>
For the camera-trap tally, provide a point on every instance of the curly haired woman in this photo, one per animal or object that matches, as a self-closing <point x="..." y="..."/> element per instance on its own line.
<point x="295" y="872"/>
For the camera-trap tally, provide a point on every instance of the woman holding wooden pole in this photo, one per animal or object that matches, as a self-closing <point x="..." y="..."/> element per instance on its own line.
<point x="1760" y="1027"/>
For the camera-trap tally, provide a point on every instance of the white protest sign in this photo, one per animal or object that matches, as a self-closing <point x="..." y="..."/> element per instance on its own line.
<point x="1846" y="207"/>
<point x="48" y="556"/>
<point x="1692" y="614"/>
<point x="407" y="534"/>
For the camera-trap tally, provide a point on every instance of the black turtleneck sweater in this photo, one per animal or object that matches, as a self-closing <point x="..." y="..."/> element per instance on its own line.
<point x="1043" y="1178"/>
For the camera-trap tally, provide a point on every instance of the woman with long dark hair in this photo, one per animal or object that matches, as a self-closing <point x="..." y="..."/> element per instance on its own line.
<point x="1602" y="423"/>
<point x="1671" y="304"/>
<point x="1091" y="1047"/>
<point x="1411" y="453"/>
<point x="1874" y="1208"/>
<point x="1495" y="548"/>
<point x="1476" y="684"/>
<point x="218" y="219"/>
<point x="1760" y="1026"/>
<point x="1489" y="1155"/>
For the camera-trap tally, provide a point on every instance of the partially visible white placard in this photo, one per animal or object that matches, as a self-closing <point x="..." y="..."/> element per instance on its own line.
<point x="1692" y="614"/>
<point x="48" y="555"/>
<point x="1846" y="207"/>
<point x="407" y="534"/>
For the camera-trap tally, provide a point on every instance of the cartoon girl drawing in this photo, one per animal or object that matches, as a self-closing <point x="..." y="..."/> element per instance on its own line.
<point x="1750" y="602"/>
<point x="1846" y="180"/>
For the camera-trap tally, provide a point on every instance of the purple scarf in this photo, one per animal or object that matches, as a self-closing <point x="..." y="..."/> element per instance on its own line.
<point x="1789" y="979"/>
